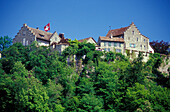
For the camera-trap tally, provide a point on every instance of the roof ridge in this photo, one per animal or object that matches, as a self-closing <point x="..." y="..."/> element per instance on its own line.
<point x="41" y="30"/>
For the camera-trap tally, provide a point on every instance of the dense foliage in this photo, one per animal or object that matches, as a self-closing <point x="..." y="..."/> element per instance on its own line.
<point x="5" y="42"/>
<point x="34" y="79"/>
<point x="160" y="47"/>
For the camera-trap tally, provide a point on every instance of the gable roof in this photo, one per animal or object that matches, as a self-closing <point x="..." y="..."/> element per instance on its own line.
<point x="115" y="39"/>
<point x="87" y="39"/>
<point x="40" y="34"/>
<point x="117" y="32"/>
<point x="120" y="31"/>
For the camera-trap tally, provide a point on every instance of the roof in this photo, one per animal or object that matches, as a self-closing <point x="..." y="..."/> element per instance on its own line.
<point x="63" y="41"/>
<point x="117" y="32"/>
<point x="41" y="34"/>
<point x="120" y="31"/>
<point x="87" y="39"/>
<point x="115" y="39"/>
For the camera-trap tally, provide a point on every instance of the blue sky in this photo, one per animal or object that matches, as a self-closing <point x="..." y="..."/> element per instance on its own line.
<point x="87" y="18"/>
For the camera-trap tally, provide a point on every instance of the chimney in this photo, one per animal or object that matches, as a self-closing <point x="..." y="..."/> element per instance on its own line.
<point x="61" y="35"/>
<point x="37" y="28"/>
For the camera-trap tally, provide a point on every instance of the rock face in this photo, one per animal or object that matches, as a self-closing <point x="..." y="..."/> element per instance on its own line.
<point x="165" y="66"/>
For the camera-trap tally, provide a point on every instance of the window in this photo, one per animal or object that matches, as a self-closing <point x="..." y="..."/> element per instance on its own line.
<point x="144" y="40"/>
<point x="24" y="33"/>
<point x="137" y="38"/>
<point x="115" y="44"/>
<point x="105" y="43"/>
<point x="108" y="49"/>
<point x="105" y="49"/>
<point x="118" y="50"/>
<point x="109" y="43"/>
<point x="144" y="47"/>
<point x="27" y="42"/>
<point x="119" y="44"/>
<point x="141" y="47"/>
<point x="23" y="41"/>
<point x="133" y="32"/>
<point x="132" y="45"/>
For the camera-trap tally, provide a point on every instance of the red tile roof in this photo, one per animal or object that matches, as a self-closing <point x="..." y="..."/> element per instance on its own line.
<point x="117" y="32"/>
<point x="115" y="39"/>
<point x="120" y="31"/>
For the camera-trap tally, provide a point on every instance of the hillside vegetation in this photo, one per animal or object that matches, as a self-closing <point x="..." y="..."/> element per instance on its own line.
<point x="34" y="79"/>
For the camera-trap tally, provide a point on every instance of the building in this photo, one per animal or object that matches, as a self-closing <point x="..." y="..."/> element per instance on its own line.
<point x="126" y="40"/>
<point x="90" y="40"/>
<point x="61" y="45"/>
<point x="151" y="50"/>
<point x="27" y="35"/>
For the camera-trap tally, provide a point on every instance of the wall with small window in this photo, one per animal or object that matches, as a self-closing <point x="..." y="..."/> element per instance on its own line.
<point x="134" y="40"/>
<point x="24" y="36"/>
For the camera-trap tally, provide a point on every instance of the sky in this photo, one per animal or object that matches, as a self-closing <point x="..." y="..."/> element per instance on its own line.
<point x="79" y="19"/>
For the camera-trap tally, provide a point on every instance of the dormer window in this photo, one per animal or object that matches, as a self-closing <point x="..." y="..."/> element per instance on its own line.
<point x="41" y="35"/>
<point x="111" y="36"/>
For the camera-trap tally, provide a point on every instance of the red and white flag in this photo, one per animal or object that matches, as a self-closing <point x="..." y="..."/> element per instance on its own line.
<point x="47" y="27"/>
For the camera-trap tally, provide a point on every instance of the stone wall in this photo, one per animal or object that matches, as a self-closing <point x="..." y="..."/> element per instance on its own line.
<point x="24" y="36"/>
<point x="55" y="38"/>
<point x="134" y="40"/>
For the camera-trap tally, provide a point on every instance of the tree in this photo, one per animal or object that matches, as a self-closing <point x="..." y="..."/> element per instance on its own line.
<point x="110" y="56"/>
<point x="160" y="47"/>
<point x="5" y="42"/>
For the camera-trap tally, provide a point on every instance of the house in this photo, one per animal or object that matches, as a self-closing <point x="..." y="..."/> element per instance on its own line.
<point x="151" y="50"/>
<point x="90" y="40"/>
<point x="27" y="35"/>
<point x="126" y="40"/>
<point x="61" y="45"/>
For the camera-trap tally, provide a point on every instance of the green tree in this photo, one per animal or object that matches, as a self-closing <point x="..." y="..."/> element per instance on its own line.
<point x="5" y="42"/>
<point x="160" y="47"/>
<point x="137" y="97"/>
<point x="109" y="56"/>
<point x="90" y="103"/>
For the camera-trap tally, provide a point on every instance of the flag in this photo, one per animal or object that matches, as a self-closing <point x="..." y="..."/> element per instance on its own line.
<point x="47" y="27"/>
